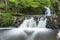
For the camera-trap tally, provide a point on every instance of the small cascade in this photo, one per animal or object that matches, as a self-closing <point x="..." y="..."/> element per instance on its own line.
<point x="28" y="23"/>
<point x="48" y="11"/>
<point x="42" y="22"/>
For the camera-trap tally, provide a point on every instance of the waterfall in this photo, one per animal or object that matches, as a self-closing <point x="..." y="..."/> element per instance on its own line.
<point x="28" y="23"/>
<point x="33" y="23"/>
<point x="48" y="11"/>
<point x="42" y="22"/>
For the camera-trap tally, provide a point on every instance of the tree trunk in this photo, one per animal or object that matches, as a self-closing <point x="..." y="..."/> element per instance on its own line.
<point x="6" y="5"/>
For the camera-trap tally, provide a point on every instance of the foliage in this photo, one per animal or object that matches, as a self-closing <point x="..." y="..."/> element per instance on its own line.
<point x="6" y="20"/>
<point x="32" y="3"/>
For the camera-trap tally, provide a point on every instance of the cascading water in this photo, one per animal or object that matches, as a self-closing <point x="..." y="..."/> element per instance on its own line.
<point x="28" y="23"/>
<point x="42" y="22"/>
<point x="48" y="11"/>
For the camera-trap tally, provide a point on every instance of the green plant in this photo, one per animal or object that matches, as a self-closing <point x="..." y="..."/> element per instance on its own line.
<point x="6" y="20"/>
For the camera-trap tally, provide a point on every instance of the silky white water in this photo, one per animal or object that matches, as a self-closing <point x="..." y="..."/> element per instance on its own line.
<point x="28" y="23"/>
<point x="41" y="23"/>
<point x="28" y="34"/>
<point x="48" y="11"/>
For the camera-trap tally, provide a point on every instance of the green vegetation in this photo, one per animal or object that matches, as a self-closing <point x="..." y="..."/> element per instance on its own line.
<point x="6" y="20"/>
<point x="26" y="7"/>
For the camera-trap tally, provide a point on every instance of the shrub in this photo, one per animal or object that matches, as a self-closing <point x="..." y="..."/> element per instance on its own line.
<point x="6" y="20"/>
